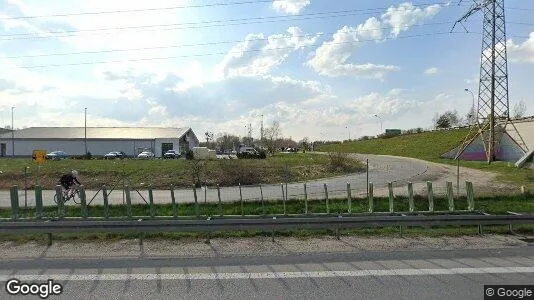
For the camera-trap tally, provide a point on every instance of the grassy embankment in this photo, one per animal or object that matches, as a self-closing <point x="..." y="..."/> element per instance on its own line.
<point x="492" y="205"/>
<point x="162" y="173"/>
<point x="429" y="146"/>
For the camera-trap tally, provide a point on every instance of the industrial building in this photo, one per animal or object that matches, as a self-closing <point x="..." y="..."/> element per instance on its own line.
<point x="96" y="140"/>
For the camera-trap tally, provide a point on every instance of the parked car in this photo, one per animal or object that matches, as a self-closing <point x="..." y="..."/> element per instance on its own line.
<point x="57" y="155"/>
<point x="115" y="154"/>
<point x="145" y="155"/>
<point x="171" y="154"/>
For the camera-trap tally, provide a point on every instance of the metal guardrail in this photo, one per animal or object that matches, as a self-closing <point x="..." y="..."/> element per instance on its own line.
<point x="266" y="224"/>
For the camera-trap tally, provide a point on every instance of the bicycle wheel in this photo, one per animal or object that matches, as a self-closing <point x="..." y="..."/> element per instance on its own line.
<point x="76" y="197"/>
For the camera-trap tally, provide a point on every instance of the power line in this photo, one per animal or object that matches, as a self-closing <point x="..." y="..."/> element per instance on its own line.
<point x="205" y="24"/>
<point x="215" y="43"/>
<point x="291" y="18"/>
<point x="227" y="52"/>
<point x="225" y="42"/>
<point x="139" y="10"/>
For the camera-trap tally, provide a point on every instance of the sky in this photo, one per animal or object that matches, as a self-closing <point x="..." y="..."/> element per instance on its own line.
<point x="323" y="69"/>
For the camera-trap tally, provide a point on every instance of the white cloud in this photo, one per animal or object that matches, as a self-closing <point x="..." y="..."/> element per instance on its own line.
<point x="431" y="71"/>
<point x="292" y="7"/>
<point x="523" y="52"/>
<point x="331" y="57"/>
<point x="258" y="55"/>
<point x="371" y="29"/>
<point x="402" y="17"/>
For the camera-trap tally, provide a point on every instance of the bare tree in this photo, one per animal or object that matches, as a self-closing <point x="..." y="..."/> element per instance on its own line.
<point x="446" y="120"/>
<point x="520" y="108"/>
<point x="227" y="142"/>
<point x="272" y="135"/>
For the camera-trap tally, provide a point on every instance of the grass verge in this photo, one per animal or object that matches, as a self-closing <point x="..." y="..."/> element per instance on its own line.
<point x="430" y="146"/>
<point x="181" y="173"/>
<point x="491" y="205"/>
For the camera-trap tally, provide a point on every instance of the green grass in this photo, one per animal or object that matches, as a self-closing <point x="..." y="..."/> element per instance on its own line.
<point x="426" y="145"/>
<point x="430" y="146"/>
<point x="492" y="205"/>
<point x="163" y="173"/>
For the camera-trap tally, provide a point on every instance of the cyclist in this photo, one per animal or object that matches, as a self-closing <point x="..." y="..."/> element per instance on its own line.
<point x="68" y="180"/>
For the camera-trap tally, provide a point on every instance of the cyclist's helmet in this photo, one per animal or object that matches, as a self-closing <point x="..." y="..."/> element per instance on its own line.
<point x="74" y="173"/>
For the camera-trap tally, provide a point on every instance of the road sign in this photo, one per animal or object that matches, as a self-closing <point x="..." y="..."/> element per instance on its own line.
<point x="39" y="156"/>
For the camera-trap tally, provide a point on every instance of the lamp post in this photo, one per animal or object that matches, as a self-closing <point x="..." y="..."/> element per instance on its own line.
<point x="348" y="130"/>
<point x="380" y="119"/>
<point x="472" y="105"/>
<point x="85" y="131"/>
<point x="12" y="133"/>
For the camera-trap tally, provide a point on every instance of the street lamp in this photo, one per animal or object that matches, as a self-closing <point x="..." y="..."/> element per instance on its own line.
<point x="348" y="130"/>
<point x="12" y="133"/>
<point x="85" y="131"/>
<point x="472" y="116"/>
<point x="379" y="118"/>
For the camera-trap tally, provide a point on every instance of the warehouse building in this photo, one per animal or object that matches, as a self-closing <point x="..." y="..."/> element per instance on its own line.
<point x="96" y="140"/>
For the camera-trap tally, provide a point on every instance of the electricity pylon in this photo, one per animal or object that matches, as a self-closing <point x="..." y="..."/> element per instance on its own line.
<point x="493" y="113"/>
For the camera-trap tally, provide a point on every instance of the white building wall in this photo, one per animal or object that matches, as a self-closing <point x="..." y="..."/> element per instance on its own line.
<point x="77" y="147"/>
<point x="158" y="146"/>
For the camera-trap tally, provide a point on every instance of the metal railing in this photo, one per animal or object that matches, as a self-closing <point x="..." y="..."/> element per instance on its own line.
<point x="303" y="197"/>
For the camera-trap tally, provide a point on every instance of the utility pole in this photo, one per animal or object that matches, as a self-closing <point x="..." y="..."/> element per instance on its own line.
<point x="85" y="134"/>
<point x="261" y="128"/>
<point x="12" y="133"/>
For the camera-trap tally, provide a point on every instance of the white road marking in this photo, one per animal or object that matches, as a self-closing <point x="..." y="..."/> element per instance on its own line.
<point x="265" y="275"/>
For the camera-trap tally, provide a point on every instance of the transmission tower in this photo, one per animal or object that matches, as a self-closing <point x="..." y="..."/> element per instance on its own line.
<point x="493" y="113"/>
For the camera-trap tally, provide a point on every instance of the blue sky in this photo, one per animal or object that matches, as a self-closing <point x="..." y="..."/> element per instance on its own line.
<point x="321" y="68"/>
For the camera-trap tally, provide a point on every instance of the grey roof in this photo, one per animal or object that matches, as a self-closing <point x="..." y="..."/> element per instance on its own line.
<point x="140" y="133"/>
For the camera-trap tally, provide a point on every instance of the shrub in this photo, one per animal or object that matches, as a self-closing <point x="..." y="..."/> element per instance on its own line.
<point x="338" y="161"/>
<point x="235" y="172"/>
<point x="189" y="154"/>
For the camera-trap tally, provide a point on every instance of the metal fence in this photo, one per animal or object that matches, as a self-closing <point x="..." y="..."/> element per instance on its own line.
<point x="241" y="200"/>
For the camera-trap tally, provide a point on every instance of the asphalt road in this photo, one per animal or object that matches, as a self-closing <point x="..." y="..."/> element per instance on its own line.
<point x="382" y="169"/>
<point x="420" y="274"/>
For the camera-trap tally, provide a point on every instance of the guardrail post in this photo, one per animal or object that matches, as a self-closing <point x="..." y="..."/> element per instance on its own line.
<point x="38" y="201"/>
<point x="470" y="196"/>
<point x="128" y="201"/>
<point x="430" y="196"/>
<point x="14" y="202"/>
<point x="197" y="209"/>
<point x="151" y="201"/>
<point x="371" y="200"/>
<point x="60" y="200"/>
<point x="349" y="198"/>
<point x="326" y="198"/>
<point x="450" y="196"/>
<point x="106" y="201"/>
<point x="391" y="197"/>
<point x="221" y="213"/>
<point x="283" y="197"/>
<point x="305" y="199"/>
<point x="83" y="201"/>
<point x="241" y="200"/>
<point x="262" y="202"/>
<point x="173" y="202"/>
<point x="410" y="197"/>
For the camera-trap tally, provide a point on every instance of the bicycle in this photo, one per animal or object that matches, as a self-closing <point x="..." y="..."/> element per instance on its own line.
<point x="69" y="194"/>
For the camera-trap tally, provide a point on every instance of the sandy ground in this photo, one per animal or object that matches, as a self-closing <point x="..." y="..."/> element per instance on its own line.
<point x="256" y="246"/>
<point x="484" y="183"/>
